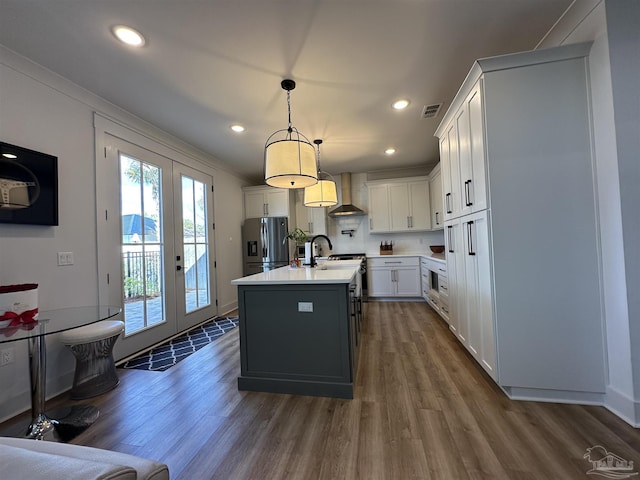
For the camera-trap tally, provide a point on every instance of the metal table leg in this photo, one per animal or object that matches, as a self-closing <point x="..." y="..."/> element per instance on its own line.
<point x="40" y="424"/>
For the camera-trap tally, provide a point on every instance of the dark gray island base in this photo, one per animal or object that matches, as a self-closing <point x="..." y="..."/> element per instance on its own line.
<point x="286" y="350"/>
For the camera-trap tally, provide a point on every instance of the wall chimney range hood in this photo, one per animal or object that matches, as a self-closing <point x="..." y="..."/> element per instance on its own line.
<point x="347" y="208"/>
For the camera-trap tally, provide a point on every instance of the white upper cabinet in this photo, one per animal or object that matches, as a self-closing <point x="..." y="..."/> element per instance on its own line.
<point x="312" y="221"/>
<point x="463" y="160"/>
<point x="450" y="168"/>
<point x="378" y="208"/>
<point x="435" y="195"/>
<point x="267" y="202"/>
<point x="470" y="128"/>
<point x="399" y="205"/>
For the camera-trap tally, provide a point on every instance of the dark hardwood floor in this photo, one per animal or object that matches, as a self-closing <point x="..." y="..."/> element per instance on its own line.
<point x="423" y="409"/>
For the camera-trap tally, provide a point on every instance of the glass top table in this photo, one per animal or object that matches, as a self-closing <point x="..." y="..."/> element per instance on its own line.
<point x="48" y="323"/>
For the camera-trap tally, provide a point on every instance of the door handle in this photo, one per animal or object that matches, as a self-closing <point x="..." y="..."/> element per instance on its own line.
<point x="437" y="221"/>
<point x="449" y="230"/>
<point x="467" y="193"/>
<point x="178" y="267"/>
<point x="447" y="201"/>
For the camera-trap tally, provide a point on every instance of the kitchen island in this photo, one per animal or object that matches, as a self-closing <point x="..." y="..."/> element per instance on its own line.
<point x="299" y="330"/>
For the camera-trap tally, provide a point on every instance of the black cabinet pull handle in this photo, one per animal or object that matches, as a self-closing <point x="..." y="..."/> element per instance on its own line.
<point x="178" y="267"/>
<point x="470" y="238"/>
<point x="467" y="193"/>
<point x="447" y="198"/>
<point x="437" y="221"/>
<point x="449" y="229"/>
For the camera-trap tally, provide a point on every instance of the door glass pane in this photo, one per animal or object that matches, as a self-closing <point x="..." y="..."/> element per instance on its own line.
<point x="142" y="244"/>
<point x="195" y="242"/>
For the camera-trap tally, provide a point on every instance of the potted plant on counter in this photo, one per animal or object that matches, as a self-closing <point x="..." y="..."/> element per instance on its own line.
<point x="300" y="237"/>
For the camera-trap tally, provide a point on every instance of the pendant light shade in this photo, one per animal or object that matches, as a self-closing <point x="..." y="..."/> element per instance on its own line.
<point x="289" y="157"/>
<point x="323" y="193"/>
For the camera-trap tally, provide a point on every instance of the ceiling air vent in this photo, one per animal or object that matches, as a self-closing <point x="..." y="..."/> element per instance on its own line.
<point x="431" y="111"/>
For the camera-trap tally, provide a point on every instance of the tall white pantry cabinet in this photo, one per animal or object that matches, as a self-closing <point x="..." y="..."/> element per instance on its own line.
<point x="521" y="228"/>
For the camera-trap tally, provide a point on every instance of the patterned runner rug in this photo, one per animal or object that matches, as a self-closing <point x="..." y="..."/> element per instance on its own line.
<point x="167" y="355"/>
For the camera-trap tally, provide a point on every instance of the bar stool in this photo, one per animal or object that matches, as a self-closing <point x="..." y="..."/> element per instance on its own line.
<point x="92" y="345"/>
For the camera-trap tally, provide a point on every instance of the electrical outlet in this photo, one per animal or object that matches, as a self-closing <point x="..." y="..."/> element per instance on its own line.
<point x="6" y="356"/>
<point x="305" y="306"/>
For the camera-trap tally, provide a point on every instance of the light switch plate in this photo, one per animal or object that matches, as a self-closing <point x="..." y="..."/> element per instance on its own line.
<point x="65" y="258"/>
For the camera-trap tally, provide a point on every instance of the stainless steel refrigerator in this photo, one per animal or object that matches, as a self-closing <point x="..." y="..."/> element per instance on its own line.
<point x="264" y="244"/>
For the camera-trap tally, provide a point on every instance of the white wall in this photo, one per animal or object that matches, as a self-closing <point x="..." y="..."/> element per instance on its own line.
<point x="42" y="111"/>
<point x="614" y="70"/>
<point x="623" y="27"/>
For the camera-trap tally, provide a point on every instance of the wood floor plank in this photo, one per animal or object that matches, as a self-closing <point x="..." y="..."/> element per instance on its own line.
<point x="423" y="409"/>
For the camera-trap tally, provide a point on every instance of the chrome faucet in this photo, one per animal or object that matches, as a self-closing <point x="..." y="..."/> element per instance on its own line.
<point x="313" y="257"/>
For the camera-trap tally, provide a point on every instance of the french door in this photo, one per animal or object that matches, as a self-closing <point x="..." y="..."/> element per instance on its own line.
<point x="160" y="218"/>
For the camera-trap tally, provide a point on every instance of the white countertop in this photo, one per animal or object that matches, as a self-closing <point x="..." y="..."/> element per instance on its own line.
<point x="342" y="273"/>
<point x="433" y="256"/>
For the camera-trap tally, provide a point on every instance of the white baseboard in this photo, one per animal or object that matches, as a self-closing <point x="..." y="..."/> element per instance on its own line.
<point x="623" y="406"/>
<point x="225" y="309"/>
<point x="554" y="396"/>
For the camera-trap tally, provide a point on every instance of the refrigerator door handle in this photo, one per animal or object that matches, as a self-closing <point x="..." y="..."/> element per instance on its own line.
<point x="263" y="235"/>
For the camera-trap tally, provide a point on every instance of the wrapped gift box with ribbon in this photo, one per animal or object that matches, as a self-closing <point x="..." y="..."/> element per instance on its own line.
<point x="18" y="304"/>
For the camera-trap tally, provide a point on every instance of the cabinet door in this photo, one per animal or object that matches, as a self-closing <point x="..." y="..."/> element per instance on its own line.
<point x="254" y="205"/>
<point x="379" y="282"/>
<point x="456" y="282"/>
<point x="435" y="195"/>
<point x="312" y="221"/>
<point x="451" y="173"/>
<point x="419" y="205"/>
<point x="464" y="160"/>
<point x="424" y="278"/>
<point x="277" y="202"/>
<point x="378" y="208"/>
<point x="399" y="214"/>
<point x="407" y="281"/>
<point x="318" y="220"/>
<point x="478" y="299"/>
<point x="472" y="170"/>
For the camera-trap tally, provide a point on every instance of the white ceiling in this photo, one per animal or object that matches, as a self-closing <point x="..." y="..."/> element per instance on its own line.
<point x="210" y="63"/>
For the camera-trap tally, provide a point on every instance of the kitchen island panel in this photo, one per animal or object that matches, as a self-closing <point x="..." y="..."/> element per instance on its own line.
<point x="287" y="351"/>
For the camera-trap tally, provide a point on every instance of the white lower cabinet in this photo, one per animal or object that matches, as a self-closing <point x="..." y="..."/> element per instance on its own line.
<point x="477" y="284"/>
<point x="469" y="280"/>
<point x="435" y="285"/>
<point x="394" y="276"/>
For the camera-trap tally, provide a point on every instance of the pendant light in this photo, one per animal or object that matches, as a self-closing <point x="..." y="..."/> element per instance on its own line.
<point x="289" y="161"/>
<point x="323" y="193"/>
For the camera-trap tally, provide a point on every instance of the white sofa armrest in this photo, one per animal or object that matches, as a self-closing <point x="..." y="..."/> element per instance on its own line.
<point x="144" y="469"/>
<point x="21" y="463"/>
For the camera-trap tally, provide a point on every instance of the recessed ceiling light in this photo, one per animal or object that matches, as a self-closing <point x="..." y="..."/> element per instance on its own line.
<point x="390" y="151"/>
<point x="9" y="155"/>
<point x="128" y="35"/>
<point x="237" y="128"/>
<point x="401" y="104"/>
